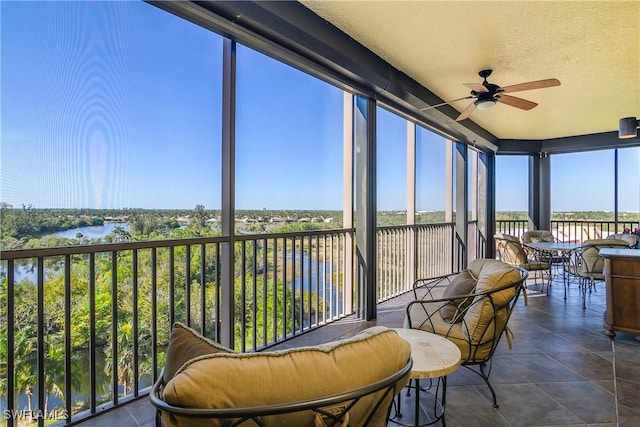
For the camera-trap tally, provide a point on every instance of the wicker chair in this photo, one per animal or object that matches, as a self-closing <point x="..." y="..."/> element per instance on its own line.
<point x="470" y="308"/>
<point x="349" y="382"/>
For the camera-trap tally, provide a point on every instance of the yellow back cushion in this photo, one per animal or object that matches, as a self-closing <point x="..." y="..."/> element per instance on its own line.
<point x="225" y="380"/>
<point x="491" y="274"/>
<point x="184" y="345"/>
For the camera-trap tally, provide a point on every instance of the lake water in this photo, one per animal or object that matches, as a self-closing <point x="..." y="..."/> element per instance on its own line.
<point x="93" y="231"/>
<point x="28" y="271"/>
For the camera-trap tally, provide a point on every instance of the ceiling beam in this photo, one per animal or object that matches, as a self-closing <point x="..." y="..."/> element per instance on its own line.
<point x="570" y="144"/>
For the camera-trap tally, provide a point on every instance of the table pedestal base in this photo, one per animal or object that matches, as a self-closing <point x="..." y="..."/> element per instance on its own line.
<point x="426" y="407"/>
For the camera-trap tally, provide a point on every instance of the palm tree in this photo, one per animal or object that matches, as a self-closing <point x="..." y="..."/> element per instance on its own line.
<point x="125" y="356"/>
<point x="54" y="372"/>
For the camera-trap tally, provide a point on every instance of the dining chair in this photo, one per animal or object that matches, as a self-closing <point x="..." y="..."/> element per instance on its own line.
<point x="511" y="251"/>
<point x="587" y="266"/>
<point x="554" y="258"/>
<point x="631" y="239"/>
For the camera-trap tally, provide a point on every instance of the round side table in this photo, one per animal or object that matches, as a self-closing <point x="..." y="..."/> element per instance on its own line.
<point x="434" y="357"/>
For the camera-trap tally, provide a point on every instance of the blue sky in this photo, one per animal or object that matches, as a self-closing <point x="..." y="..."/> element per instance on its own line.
<point x="118" y="104"/>
<point x="579" y="181"/>
<point x="107" y="105"/>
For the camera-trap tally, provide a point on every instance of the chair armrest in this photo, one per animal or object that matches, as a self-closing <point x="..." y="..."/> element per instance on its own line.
<point x="475" y="296"/>
<point x="430" y="311"/>
<point x="428" y="285"/>
<point x="389" y="386"/>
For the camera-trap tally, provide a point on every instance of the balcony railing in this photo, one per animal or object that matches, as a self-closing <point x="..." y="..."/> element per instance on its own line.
<point x="514" y="227"/>
<point x="408" y="252"/>
<point x="570" y="231"/>
<point x="579" y="231"/>
<point x="87" y="326"/>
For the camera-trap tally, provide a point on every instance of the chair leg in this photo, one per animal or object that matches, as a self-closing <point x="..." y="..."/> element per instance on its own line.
<point x="545" y="281"/>
<point x="485" y="377"/>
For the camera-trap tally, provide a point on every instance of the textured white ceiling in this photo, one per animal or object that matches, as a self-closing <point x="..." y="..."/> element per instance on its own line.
<point x="592" y="47"/>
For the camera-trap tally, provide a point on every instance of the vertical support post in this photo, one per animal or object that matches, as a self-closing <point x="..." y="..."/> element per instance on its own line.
<point x="540" y="192"/>
<point x="41" y="351"/>
<point x="490" y="204"/>
<point x="472" y="207"/>
<point x="228" y="192"/>
<point x="448" y="201"/>
<point x="10" y="343"/>
<point x="365" y="198"/>
<point x="411" y="204"/>
<point x="462" y="228"/>
<point x="482" y="204"/>
<point x="347" y="196"/>
<point x="615" y="189"/>
<point x="114" y="327"/>
<point x="448" y="181"/>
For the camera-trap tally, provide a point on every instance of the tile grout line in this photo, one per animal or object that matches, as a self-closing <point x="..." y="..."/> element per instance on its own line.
<point x="615" y="379"/>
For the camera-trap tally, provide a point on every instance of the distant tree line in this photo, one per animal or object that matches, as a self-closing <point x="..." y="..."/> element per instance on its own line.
<point x="17" y="226"/>
<point x="28" y="227"/>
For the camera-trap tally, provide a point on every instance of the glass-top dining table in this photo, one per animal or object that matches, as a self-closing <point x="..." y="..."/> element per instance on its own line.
<point x="558" y="253"/>
<point x="554" y="246"/>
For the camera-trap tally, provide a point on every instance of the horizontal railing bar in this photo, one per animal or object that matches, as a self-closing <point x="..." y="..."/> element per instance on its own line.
<point x="405" y="226"/>
<point x="127" y="246"/>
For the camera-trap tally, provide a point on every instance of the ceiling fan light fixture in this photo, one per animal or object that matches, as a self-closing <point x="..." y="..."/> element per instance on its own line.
<point x="485" y="104"/>
<point x="628" y="128"/>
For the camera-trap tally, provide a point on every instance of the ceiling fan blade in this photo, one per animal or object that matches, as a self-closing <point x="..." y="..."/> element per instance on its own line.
<point x="538" y="84"/>
<point x="466" y="112"/>
<point x="520" y="103"/>
<point x="445" y="103"/>
<point x="478" y="87"/>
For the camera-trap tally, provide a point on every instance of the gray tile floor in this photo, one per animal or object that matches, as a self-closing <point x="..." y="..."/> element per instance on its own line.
<point x="562" y="369"/>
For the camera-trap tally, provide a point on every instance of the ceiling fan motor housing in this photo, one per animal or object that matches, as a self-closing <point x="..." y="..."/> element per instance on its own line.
<point x="485" y="101"/>
<point x="488" y="99"/>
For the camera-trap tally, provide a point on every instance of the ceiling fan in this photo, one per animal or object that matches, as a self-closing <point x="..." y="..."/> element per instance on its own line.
<point x="487" y="94"/>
